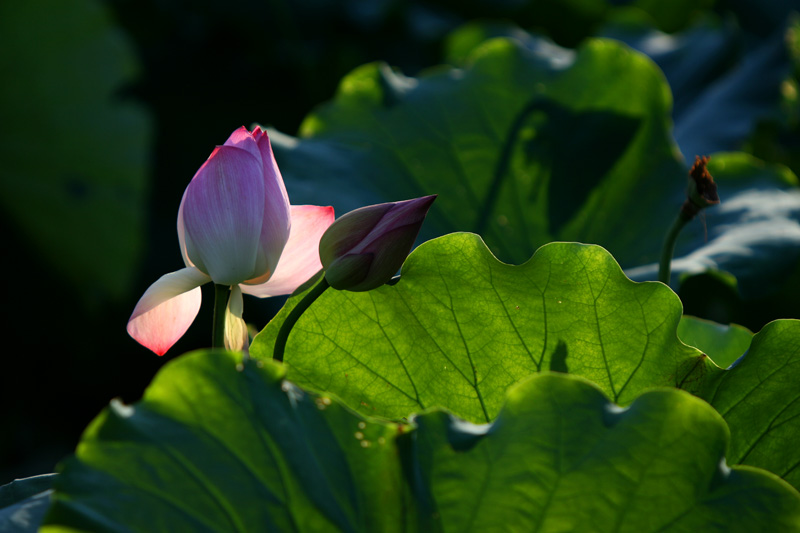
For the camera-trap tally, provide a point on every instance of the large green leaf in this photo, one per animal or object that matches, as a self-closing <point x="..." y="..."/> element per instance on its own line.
<point x="721" y="91"/>
<point x="220" y="445"/>
<point x="589" y="150"/>
<point x="460" y="327"/>
<point x="74" y="152"/>
<point x="560" y="457"/>
<point x="760" y="399"/>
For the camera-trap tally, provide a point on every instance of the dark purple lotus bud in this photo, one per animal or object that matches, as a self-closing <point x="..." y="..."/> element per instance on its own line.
<point x="364" y="248"/>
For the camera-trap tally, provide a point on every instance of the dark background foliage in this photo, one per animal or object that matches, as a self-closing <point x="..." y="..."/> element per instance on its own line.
<point x="206" y="68"/>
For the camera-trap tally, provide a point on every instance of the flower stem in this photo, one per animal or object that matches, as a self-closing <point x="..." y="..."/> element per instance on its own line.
<point x="669" y="245"/>
<point x="503" y="163"/>
<point x="294" y="315"/>
<point x="221" y="295"/>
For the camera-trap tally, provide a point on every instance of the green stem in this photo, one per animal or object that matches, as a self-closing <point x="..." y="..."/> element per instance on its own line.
<point x="503" y="163"/>
<point x="221" y="295"/>
<point x="669" y="246"/>
<point x="294" y="315"/>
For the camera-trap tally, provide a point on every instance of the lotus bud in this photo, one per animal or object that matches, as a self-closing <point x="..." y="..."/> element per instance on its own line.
<point x="364" y="248"/>
<point x="702" y="191"/>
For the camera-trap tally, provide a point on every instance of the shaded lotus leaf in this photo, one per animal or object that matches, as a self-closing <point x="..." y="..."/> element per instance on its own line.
<point x="389" y="136"/>
<point x="75" y="152"/>
<point x="520" y="152"/>
<point x="24" y="502"/>
<point x="222" y="444"/>
<point x="724" y="344"/>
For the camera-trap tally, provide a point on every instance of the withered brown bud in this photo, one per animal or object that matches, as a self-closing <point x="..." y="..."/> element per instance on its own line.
<point x="702" y="191"/>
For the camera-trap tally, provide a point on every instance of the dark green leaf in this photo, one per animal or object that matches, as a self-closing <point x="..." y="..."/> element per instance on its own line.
<point x="21" y="489"/>
<point x="397" y="137"/>
<point x="521" y="152"/>
<point x="220" y="446"/>
<point x="24" y="502"/>
<point x="75" y="153"/>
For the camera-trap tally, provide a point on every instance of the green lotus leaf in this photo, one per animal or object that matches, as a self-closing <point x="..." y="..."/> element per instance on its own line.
<point x="218" y="444"/>
<point x="459" y="327"/>
<point x="517" y="147"/>
<point x="724" y="344"/>
<point x="560" y="457"/>
<point x="760" y="400"/>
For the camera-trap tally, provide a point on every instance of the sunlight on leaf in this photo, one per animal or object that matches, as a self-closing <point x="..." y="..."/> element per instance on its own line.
<point x="460" y="327"/>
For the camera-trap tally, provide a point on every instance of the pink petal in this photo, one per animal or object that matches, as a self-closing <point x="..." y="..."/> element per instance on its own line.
<point x="236" y="337"/>
<point x="167" y="309"/>
<point x="241" y="138"/>
<point x="276" y="225"/>
<point x="222" y="215"/>
<point x="245" y="140"/>
<point x="268" y="158"/>
<point x="300" y="259"/>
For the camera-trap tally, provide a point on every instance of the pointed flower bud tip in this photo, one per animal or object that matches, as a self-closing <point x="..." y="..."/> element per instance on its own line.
<point x="364" y="248"/>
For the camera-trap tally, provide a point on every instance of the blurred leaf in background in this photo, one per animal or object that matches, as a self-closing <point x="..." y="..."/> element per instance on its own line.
<point x="74" y="184"/>
<point x="724" y="80"/>
<point x="75" y="151"/>
<point x="510" y="142"/>
<point x="530" y="143"/>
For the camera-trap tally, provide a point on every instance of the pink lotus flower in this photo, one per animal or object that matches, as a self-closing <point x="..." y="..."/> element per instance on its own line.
<point x="236" y="228"/>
